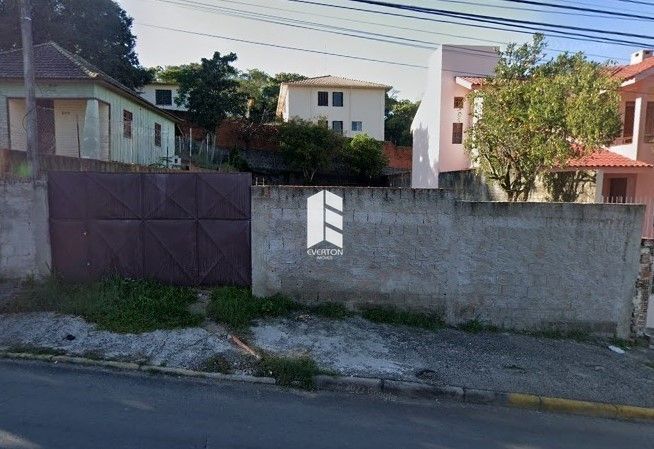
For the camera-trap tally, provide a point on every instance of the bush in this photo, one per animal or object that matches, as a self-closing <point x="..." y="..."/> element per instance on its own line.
<point x="290" y="371"/>
<point x="365" y="156"/>
<point x="115" y="304"/>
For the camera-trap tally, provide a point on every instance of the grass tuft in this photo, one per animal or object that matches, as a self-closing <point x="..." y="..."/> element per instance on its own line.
<point x="33" y="349"/>
<point x="475" y="326"/>
<point x="216" y="364"/>
<point x="290" y="371"/>
<point x="237" y="307"/>
<point x="115" y="304"/>
<point x="330" y="310"/>
<point x="577" y="335"/>
<point x="391" y="315"/>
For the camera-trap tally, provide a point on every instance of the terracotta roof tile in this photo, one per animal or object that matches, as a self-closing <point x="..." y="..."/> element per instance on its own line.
<point x="625" y="72"/>
<point x="337" y="81"/>
<point x="606" y="159"/>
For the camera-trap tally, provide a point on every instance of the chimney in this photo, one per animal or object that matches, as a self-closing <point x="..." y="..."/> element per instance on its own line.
<point x="640" y="56"/>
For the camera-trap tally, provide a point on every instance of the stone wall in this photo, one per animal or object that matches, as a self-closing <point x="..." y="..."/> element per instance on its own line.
<point x="24" y="230"/>
<point x="529" y="266"/>
<point x="643" y="288"/>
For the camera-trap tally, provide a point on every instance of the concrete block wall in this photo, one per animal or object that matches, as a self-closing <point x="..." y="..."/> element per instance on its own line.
<point x="24" y="230"/>
<point x="529" y="266"/>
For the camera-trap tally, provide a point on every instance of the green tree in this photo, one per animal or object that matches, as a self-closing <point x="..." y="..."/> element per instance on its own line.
<point x="532" y="116"/>
<point x="263" y="90"/>
<point x="98" y="31"/>
<point x="172" y="73"/>
<point x="397" y="124"/>
<point x="211" y="92"/>
<point x="309" y="147"/>
<point x="365" y="156"/>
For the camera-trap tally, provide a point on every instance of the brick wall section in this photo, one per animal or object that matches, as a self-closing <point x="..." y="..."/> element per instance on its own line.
<point x="24" y="235"/>
<point x="517" y="265"/>
<point x="643" y="288"/>
<point x="398" y="157"/>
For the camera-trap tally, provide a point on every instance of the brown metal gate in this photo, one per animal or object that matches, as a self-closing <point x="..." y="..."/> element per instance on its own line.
<point x="179" y="228"/>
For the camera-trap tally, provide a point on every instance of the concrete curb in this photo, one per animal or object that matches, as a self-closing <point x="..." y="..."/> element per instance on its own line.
<point x="367" y="385"/>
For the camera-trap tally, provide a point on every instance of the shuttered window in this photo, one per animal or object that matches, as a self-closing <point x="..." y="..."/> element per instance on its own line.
<point x="457" y="132"/>
<point x="157" y="134"/>
<point x="649" y="122"/>
<point x="323" y="98"/>
<point x="628" y="127"/>
<point x="127" y="124"/>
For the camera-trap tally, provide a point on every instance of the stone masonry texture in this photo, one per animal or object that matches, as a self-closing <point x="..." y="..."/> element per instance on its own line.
<point x="529" y="266"/>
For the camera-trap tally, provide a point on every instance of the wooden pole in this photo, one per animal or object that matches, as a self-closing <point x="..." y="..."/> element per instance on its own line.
<point x="30" y="95"/>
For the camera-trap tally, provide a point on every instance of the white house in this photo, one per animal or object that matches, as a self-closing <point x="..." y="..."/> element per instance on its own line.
<point x="163" y="95"/>
<point x="443" y="116"/>
<point x="349" y="106"/>
<point x="81" y="111"/>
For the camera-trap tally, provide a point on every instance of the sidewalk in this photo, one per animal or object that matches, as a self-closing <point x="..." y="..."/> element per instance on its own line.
<point x="357" y="347"/>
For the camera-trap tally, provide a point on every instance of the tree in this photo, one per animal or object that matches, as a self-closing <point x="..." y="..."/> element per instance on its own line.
<point x="532" y="116"/>
<point x="171" y="73"/>
<point x="98" y="31"/>
<point x="397" y="124"/>
<point x="308" y="146"/>
<point x="263" y="90"/>
<point x="365" y="156"/>
<point x="210" y="91"/>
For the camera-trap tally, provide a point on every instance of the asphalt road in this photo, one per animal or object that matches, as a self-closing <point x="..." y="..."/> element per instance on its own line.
<point x="47" y="406"/>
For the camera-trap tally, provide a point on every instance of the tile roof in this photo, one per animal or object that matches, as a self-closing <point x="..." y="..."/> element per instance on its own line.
<point x="606" y="159"/>
<point x="474" y="80"/>
<point x="52" y="62"/>
<point x="337" y="81"/>
<point x="625" y="72"/>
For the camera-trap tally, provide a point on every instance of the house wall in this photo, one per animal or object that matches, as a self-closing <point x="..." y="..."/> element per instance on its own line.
<point x="148" y="92"/>
<point x="70" y="108"/>
<point x="530" y="266"/>
<point x="24" y="232"/>
<point x="433" y="150"/>
<point x="364" y="105"/>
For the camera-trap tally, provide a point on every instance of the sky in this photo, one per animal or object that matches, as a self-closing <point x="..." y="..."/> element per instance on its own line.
<point x="202" y="26"/>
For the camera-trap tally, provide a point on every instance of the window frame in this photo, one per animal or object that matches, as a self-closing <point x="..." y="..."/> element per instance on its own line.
<point x="169" y="93"/>
<point x="157" y="134"/>
<point x="323" y="94"/>
<point x="457" y="133"/>
<point x="459" y="102"/>
<point x="629" y="112"/>
<point x="335" y="130"/>
<point x="648" y="131"/>
<point x="341" y="96"/>
<point x="128" y="120"/>
<point x="360" y="127"/>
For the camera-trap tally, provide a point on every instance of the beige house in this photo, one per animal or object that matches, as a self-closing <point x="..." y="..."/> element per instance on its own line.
<point x="81" y="111"/>
<point x="351" y="107"/>
<point x="162" y="95"/>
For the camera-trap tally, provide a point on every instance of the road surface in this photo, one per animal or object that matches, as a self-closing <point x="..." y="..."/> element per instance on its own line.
<point x="55" y="406"/>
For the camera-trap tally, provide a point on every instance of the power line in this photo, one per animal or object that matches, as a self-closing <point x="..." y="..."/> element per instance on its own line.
<point x="579" y="8"/>
<point x="532" y="30"/>
<point x="495" y="19"/>
<point x="639" y="2"/>
<point x="284" y="47"/>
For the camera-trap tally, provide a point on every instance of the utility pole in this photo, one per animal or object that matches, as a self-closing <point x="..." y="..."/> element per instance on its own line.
<point x="30" y="95"/>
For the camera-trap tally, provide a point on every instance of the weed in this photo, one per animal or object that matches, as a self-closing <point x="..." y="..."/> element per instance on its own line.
<point x="216" y="364"/>
<point x="32" y="349"/>
<point x="577" y="335"/>
<point x="237" y="307"/>
<point x="330" y="310"/>
<point x="115" y="304"/>
<point x="391" y="315"/>
<point x="290" y="371"/>
<point x="475" y="326"/>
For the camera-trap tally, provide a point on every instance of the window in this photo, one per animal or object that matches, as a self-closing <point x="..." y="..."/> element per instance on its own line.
<point x="337" y="99"/>
<point x="628" y="126"/>
<point x="457" y="132"/>
<point x="458" y="102"/>
<point x="323" y="98"/>
<point x="337" y="126"/>
<point x="617" y="190"/>
<point x="127" y="124"/>
<point x="163" y="97"/>
<point x="357" y="126"/>
<point x="649" y="122"/>
<point x="157" y="134"/>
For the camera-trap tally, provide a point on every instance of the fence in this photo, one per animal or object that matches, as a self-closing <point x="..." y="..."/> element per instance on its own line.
<point x="648" y="219"/>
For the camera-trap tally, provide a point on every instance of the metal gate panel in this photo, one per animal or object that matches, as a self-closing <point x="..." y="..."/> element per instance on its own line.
<point x="220" y="249"/>
<point x="180" y="228"/>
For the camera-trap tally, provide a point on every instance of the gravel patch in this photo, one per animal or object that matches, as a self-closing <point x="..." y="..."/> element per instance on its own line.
<point x="495" y="361"/>
<point x="179" y="348"/>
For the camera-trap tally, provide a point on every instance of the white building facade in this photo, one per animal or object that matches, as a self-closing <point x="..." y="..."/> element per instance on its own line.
<point x="444" y="114"/>
<point x="349" y="106"/>
<point x="163" y="95"/>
